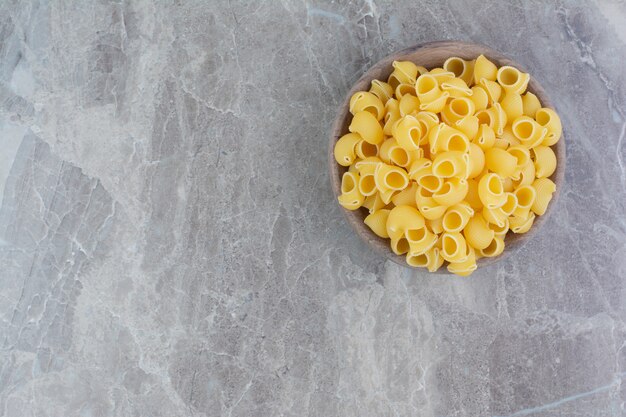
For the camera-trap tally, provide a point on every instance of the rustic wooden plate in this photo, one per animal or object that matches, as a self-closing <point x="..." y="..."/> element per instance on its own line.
<point x="431" y="55"/>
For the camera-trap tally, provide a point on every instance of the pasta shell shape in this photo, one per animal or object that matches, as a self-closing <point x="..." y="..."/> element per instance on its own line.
<point x="366" y="101"/>
<point x="402" y="218"/>
<point x="477" y="232"/>
<point x="344" y="149"/>
<point x="382" y="90"/>
<point x="530" y="104"/>
<point x="484" y="69"/>
<point x="544" y="188"/>
<point x="454" y="247"/>
<point x="377" y="222"/>
<point x="551" y="121"/>
<point x="461" y="68"/>
<point x="367" y="126"/>
<point x="452" y="192"/>
<point x="495" y="248"/>
<point x="544" y="160"/>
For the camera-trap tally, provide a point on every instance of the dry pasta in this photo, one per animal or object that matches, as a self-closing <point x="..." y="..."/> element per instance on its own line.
<point x="447" y="163"/>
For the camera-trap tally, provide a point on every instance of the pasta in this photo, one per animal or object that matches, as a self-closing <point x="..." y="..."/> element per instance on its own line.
<point x="447" y="163"/>
<point x="366" y="125"/>
<point x="545" y="161"/>
<point x="344" y="149"/>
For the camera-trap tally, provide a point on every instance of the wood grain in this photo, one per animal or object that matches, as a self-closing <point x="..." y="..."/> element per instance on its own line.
<point x="431" y="55"/>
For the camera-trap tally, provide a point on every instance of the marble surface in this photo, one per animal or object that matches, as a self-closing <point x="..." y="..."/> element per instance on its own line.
<point x="169" y="244"/>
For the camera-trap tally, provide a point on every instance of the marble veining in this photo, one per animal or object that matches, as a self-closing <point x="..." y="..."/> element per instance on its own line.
<point x="170" y="246"/>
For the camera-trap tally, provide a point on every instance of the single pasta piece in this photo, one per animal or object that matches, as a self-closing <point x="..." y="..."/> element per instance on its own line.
<point x="486" y="137"/>
<point x="382" y="90"/>
<point x="367" y="184"/>
<point x="511" y="79"/>
<point x="405" y="72"/>
<point x="491" y="192"/>
<point x="409" y="104"/>
<point x="456" y="217"/>
<point x="453" y="191"/>
<point x="367" y="126"/>
<point x="456" y="87"/>
<point x="544" y="188"/>
<point x="344" y="149"/>
<point x="399" y="245"/>
<point x="466" y="266"/>
<point x="526" y="195"/>
<point x="522" y="155"/>
<point x="451" y="164"/>
<point x="406" y="197"/>
<point x="408" y="132"/>
<point x="522" y="224"/>
<point x="548" y="119"/>
<point x="476" y="160"/>
<point x="545" y="161"/>
<point x="526" y="176"/>
<point x="469" y="126"/>
<point x="454" y="247"/>
<point x="510" y="204"/>
<point x="484" y="69"/>
<point x="402" y="218"/>
<point x="404" y="90"/>
<point x="500" y="229"/>
<point x="420" y="239"/>
<point x="493" y="89"/>
<point x="425" y="178"/>
<point x="377" y="221"/>
<point x="495" y="248"/>
<point x="350" y="197"/>
<point x="529" y="132"/>
<point x="479" y="97"/>
<point x="494" y="117"/>
<point x="472" y="197"/>
<point x="495" y="217"/>
<point x="366" y="101"/>
<point x="461" y="68"/>
<point x="512" y="105"/>
<point x="457" y="109"/>
<point x="441" y="74"/>
<point x="392" y="115"/>
<point x="389" y="177"/>
<point x="367" y="165"/>
<point x="500" y="161"/>
<point x="530" y="104"/>
<point x="477" y="232"/>
<point x="365" y="149"/>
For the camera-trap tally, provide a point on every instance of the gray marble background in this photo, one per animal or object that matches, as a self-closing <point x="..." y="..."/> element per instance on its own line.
<point x="169" y="243"/>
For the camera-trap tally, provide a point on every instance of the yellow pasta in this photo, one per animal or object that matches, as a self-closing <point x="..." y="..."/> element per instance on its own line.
<point x="512" y="105"/>
<point x="409" y="104"/>
<point x="366" y="101"/>
<point x="479" y="97"/>
<point x="466" y="266"/>
<point x="402" y="218"/>
<point x="485" y="137"/>
<point x="350" y="197"/>
<point x="522" y="224"/>
<point x="545" y="161"/>
<point x="392" y="115"/>
<point x="512" y="79"/>
<point x="500" y="161"/>
<point x="490" y="191"/>
<point x="495" y="248"/>
<point x="456" y="87"/>
<point x="544" y="188"/>
<point x="468" y="126"/>
<point x="344" y="149"/>
<point x="530" y="104"/>
<point x="461" y="68"/>
<point x="548" y="119"/>
<point x="382" y="90"/>
<point x="529" y="132"/>
<point x="456" y="217"/>
<point x="377" y="222"/>
<point x="406" y="197"/>
<point x="446" y="138"/>
<point x="451" y="164"/>
<point x="457" y="109"/>
<point x="453" y="247"/>
<point x="365" y="149"/>
<point x="448" y="162"/>
<point x="484" y="69"/>
<point x="477" y="232"/>
<point x="453" y="191"/>
<point x="389" y="177"/>
<point x="367" y="126"/>
<point x="408" y="132"/>
<point x="476" y="160"/>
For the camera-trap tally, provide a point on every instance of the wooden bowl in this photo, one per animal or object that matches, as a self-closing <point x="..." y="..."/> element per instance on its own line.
<point x="431" y="55"/>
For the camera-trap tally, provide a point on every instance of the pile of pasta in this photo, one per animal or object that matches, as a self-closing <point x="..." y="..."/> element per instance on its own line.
<point x="448" y="161"/>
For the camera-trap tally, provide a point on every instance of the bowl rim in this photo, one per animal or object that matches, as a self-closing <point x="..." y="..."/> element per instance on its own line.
<point x="381" y="70"/>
